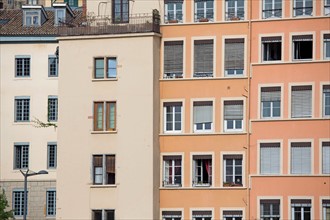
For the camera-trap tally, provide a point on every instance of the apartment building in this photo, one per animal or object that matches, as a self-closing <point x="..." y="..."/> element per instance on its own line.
<point x="29" y="96"/>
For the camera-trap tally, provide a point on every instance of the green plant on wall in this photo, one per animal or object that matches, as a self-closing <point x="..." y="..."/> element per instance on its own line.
<point x="4" y="214"/>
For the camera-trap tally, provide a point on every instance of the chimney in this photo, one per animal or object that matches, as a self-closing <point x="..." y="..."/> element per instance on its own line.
<point x="84" y="7"/>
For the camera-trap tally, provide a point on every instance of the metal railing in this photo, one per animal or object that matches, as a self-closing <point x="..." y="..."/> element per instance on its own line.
<point x="272" y="13"/>
<point x="137" y="23"/>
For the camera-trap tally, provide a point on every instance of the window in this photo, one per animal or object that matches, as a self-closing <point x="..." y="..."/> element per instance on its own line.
<point x="173" y="59"/>
<point x="173" y="117"/>
<point x="172" y="173"/>
<point x="326" y="100"/>
<point x="32" y="2"/>
<point x="51" y="203"/>
<point x="52" y="155"/>
<point x="232" y="215"/>
<point x="326" y="43"/>
<point x="59" y="16"/>
<point x="326" y="209"/>
<point x="52" y="66"/>
<point x="301" y="158"/>
<point x="301" y="209"/>
<point x="173" y="11"/>
<point x="104" y="116"/>
<point x="270" y="102"/>
<point x="202" y="170"/>
<point x="22" y="109"/>
<point x="203" y="58"/>
<point x="72" y="3"/>
<point x="271" y="48"/>
<point x="326" y="9"/>
<point x="270" y="209"/>
<point x="232" y="170"/>
<point x="32" y="18"/>
<point x="302" y="7"/>
<point x="233" y="115"/>
<point x="21" y="156"/>
<point x="52" y="108"/>
<point x="301" y="102"/>
<point x="234" y="10"/>
<point x="234" y="57"/>
<point x="203" y="116"/>
<point x="22" y="66"/>
<point x="272" y="9"/>
<point x="326" y="158"/>
<point x="18" y="203"/>
<point x="204" y="10"/>
<point x="202" y="215"/>
<point x="302" y="47"/>
<point x="120" y="11"/>
<point x="104" y="169"/>
<point x="103" y="214"/>
<point x="270" y="158"/>
<point x="105" y="68"/>
<point x="171" y="215"/>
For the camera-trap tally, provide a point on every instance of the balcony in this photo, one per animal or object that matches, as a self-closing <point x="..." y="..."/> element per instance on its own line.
<point x="137" y="23"/>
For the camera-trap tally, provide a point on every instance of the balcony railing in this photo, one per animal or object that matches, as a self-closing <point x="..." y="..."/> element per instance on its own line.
<point x="138" y="23"/>
<point x="272" y="13"/>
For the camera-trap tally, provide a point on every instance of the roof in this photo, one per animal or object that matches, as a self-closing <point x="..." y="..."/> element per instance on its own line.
<point x="11" y="23"/>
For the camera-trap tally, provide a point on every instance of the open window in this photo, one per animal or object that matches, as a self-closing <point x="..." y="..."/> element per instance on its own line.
<point x="302" y="47"/>
<point x="202" y="170"/>
<point x="271" y="48"/>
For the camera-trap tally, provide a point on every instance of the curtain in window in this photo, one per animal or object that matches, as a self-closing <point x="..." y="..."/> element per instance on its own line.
<point x="270" y="158"/>
<point x="270" y="94"/>
<point x="233" y="110"/>
<point x="173" y="57"/>
<point x="203" y="57"/>
<point x="301" y="158"/>
<point x="326" y="157"/>
<point x="203" y="112"/>
<point x="301" y="102"/>
<point x="234" y="54"/>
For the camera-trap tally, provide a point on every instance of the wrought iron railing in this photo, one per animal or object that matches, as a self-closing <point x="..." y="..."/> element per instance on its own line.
<point x="137" y="23"/>
<point x="272" y="13"/>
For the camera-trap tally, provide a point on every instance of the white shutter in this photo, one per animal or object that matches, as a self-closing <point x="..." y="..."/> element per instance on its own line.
<point x="270" y="158"/>
<point x="326" y="157"/>
<point x="233" y="110"/>
<point x="301" y="158"/>
<point x="203" y="112"/>
<point x="301" y="102"/>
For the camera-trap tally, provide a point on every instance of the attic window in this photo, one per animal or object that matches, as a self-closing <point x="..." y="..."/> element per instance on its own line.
<point x="32" y="18"/>
<point x="59" y="16"/>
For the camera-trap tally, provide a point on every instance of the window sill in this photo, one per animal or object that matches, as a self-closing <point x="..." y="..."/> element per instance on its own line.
<point x="289" y="119"/>
<point x="205" y="78"/>
<point x="203" y="133"/>
<point x="104" y="79"/>
<point x="104" y="186"/>
<point x="22" y="78"/>
<point x="203" y="188"/>
<point x="22" y="123"/>
<point x="289" y="62"/>
<point x="104" y="132"/>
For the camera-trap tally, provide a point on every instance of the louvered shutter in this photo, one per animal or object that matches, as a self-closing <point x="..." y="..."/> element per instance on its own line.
<point x="233" y="110"/>
<point x="203" y="112"/>
<point x="203" y="58"/>
<point x="326" y="100"/>
<point x="270" y="94"/>
<point x="234" y="54"/>
<point x="173" y="57"/>
<point x="326" y="158"/>
<point x="300" y="158"/>
<point x="301" y="102"/>
<point x="270" y="158"/>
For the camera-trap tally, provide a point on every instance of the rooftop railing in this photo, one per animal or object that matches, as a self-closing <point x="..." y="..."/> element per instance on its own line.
<point x="137" y="23"/>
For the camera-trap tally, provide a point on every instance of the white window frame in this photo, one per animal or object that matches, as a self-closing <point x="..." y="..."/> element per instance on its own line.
<point x="172" y="184"/>
<point x="51" y="203"/>
<point x="204" y="217"/>
<point x="236" y="15"/>
<point x="232" y="183"/>
<point x="195" y="74"/>
<point x="59" y="20"/>
<point x="272" y="142"/>
<point x="203" y="130"/>
<point x="175" y="12"/>
<point x="267" y="198"/>
<point x="325" y="42"/>
<point x="225" y="121"/>
<point x="324" y="94"/>
<point x="104" y="211"/>
<point x="291" y="206"/>
<point x="205" y="9"/>
<point x="326" y="10"/>
<point x="294" y="2"/>
<point x="52" y="70"/>
<point x="192" y="168"/>
<point x="292" y="52"/>
<point x="171" y="214"/>
<point x="35" y="16"/>
<point x="325" y="206"/>
<point x="323" y="143"/>
<point x="273" y="9"/>
<point x="173" y="106"/>
<point x="290" y="157"/>
<point x="51" y="145"/>
<point x="271" y="103"/>
<point x="291" y="85"/>
<point x="263" y="49"/>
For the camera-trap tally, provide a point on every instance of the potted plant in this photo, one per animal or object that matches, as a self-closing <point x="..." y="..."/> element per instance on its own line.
<point x="203" y="19"/>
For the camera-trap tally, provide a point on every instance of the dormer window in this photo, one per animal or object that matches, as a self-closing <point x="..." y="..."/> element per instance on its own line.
<point x="32" y="18"/>
<point x="63" y="12"/>
<point x="32" y="2"/>
<point x="59" y="16"/>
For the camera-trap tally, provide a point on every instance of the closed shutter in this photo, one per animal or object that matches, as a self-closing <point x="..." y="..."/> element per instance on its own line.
<point x="300" y="158"/>
<point x="233" y="110"/>
<point x="200" y="214"/>
<point x="173" y="57"/>
<point x="301" y="102"/>
<point x="234" y="54"/>
<point x="232" y="214"/>
<point x="326" y="157"/>
<point x="171" y="214"/>
<point x="203" y="112"/>
<point x="203" y="58"/>
<point x="326" y="100"/>
<point x="270" y="158"/>
<point x="302" y="38"/>
<point x="270" y="94"/>
<point x="271" y="39"/>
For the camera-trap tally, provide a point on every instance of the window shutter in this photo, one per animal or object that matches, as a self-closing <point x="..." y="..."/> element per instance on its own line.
<point x="326" y="157"/>
<point x="234" y="54"/>
<point x="271" y="39"/>
<point x="300" y="158"/>
<point x="301" y="203"/>
<point x="233" y="109"/>
<point x="203" y="112"/>
<point x="171" y="214"/>
<point x="203" y="56"/>
<point x="302" y="38"/>
<point x="202" y="214"/>
<point x="110" y="163"/>
<point x="97" y="161"/>
<point x="271" y="94"/>
<point x="232" y="214"/>
<point x="270" y="158"/>
<point x="233" y="157"/>
<point x="173" y="57"/>
<point x="326" y="37"/>
<point x="301" y="102"/>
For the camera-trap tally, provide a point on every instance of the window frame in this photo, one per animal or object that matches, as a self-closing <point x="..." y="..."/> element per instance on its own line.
<point x="204" y="129"/>
<point x="52" y="66"/>
<point x="174" y="214"/>
<point x="291" y="104"/>
<point x="104" y="170"/>
<point x="168" y="74"/>
<point x="58" y="20"/>
<point x="326" y="7"/>
<point x="106" y="74"/>
<point x="294" y="52"/>
<point x="25" y="71"/>
<point x="20" y="210"/>
<point x="270" y="144"/>
<point x="236" y="16"/>
<point x="20" y="114"/>
<point x="206" y="16"/>
<point x="104" y="213"/>
<point x="51" y="203"/>
<point x="106" y="110"/>
<point x="237" y="72"/>
<point x="225" y="121"/>
<point x="50" y="164"/>
<point x="273" y="10"/>
<point x="23" y="156"/>
<point x="176" y="11"/>
<point x="173" y="105"/>
<point x="202" y="216"/>
<point x="303" y="144"/>
<point x="261" y="103"/>
<point x="325" y="38"/>
<point x="233" y="175"/>
<point x="303" y="204"/>
<point x="172" y="158"/>
<point x="52" y="108"/>
<point x="325" y="94"/>
<point x="202" y="156"/>
<point x="295" y="8"/>
<point x="323" y="164"/>
<point x="36" y="17"/>
<point x="264" y="42"/>
<point x="196" y="60"/>
<point x="122" y="13"/>
<point x="325" y="203"/>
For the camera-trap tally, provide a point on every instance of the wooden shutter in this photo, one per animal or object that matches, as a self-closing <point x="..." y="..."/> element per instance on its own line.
<point x="173" y="57"/>
<point x="233" y="110"/>
<point x="203" y="58"/>
<point x="301" y="102"/>
<point x="301" y="158"/>
<point x="234" y="54"/>
<point x="326" y="157"/>
<point x="203" y="112"/>
<point x="270" y="158"/>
